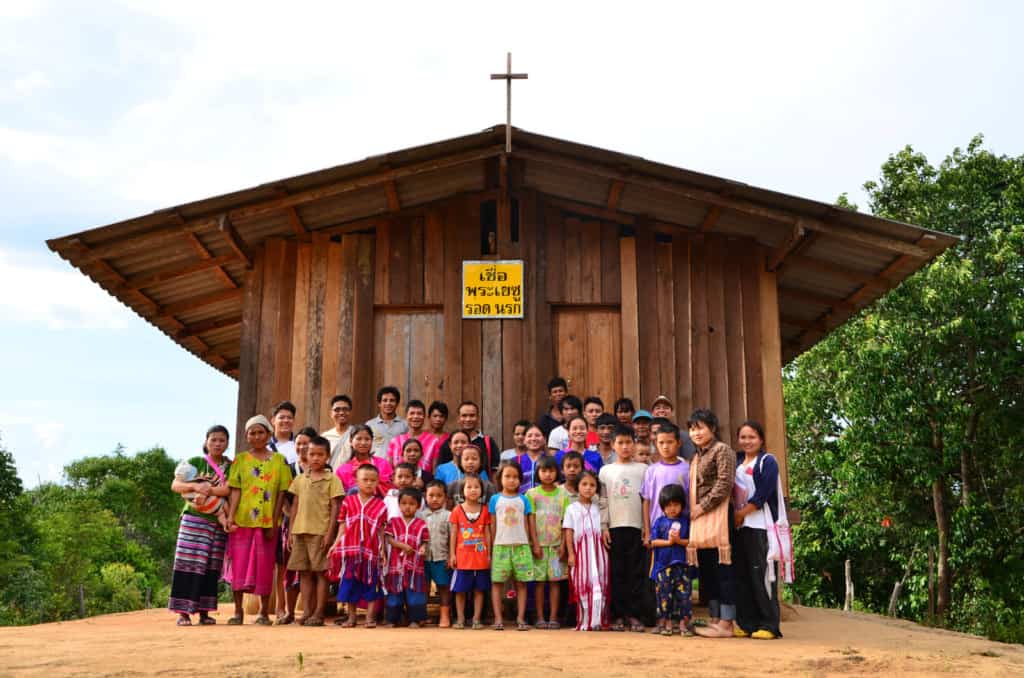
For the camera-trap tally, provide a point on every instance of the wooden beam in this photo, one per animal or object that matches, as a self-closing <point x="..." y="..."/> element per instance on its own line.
<point x="589" y="210"/>
<point x="169" y="273"/>
<point x="711" y="218"/>
<point x="206" y="326"/>
<point x="820" y="299"/>
<point x="713" y="198"/>
<point x="205" y="253"/>
<point x="771" y="373"/>
<point x="300" y="229"/>
<point x="615" y="193"/>
<point x="780" y="253"/>
<point x="234" y="242"/>
<point x="394" y="203"/>
<point x="198" y="302"/>
<point x="852" y="275"/>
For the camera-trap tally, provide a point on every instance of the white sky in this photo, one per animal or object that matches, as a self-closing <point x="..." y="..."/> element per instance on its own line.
<point x="112" y="110"/>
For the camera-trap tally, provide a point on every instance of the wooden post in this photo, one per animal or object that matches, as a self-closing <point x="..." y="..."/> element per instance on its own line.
<point x="848" y="603"/>
<point x="771" y="374"/>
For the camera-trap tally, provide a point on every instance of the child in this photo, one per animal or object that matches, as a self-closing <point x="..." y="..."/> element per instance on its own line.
<point x="588" y="557"/>
<point x="361" y="442"/>
<point x="452" y="470"/>
<point x="670" y="470"/>
<point x="470" y="462"/>
<point x="623" y="522"/>
<point x="317" y="494"/>
<point x="578" y="443"/>
<point x="404" y="476"/>
<point x="257" y="480"/>
<point x="549" y="503"/>
<point x="669" y="570"/>
<point x="412" y="453"/>
<point x="572" y="467"/>
<point x="469" y="552"/>
<point x="356" y="553"/>
<point x="436" y="516"/>
<point x="606" y="425"/>
<point x="513" y="533"/>
<point x="201" y="500"/>
<point x="533" y="442"/>
<point x="407" y="538"/>
<point x="642" y="453"/>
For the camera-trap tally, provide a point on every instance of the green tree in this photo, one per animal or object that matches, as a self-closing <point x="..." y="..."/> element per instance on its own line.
<point x="910" y="415"/>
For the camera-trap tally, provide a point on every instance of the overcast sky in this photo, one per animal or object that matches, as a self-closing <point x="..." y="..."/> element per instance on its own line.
<point x="111" y="110"/>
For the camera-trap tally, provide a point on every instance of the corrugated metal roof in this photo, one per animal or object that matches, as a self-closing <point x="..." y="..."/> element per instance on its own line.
<point x="829" y="264"/>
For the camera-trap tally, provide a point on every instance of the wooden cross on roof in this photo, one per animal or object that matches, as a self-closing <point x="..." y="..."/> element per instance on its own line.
<point x="508" y="76"/>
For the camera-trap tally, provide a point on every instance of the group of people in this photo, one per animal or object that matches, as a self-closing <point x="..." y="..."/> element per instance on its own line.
<point x="595" y="519"/>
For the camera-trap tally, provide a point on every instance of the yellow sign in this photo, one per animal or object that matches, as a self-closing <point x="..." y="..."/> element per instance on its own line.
<point x="492" y="289"/>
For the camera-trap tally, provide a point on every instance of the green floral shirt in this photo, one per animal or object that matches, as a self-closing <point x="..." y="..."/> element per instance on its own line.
<point x="260" y="483"/>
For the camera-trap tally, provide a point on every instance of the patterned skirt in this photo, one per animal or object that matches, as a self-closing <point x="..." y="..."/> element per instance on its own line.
<point x="251" y="558"/>
<point x="589" y="583"/>
<point x="198" y="560"/>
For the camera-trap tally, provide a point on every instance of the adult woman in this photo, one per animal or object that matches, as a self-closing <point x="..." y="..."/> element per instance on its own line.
<point x="712" y="475"/>
<point x="757" y="472"/>
<point x="536" y="447"/>
<point x="578" y="435"/>
<point x="199" y="555"/>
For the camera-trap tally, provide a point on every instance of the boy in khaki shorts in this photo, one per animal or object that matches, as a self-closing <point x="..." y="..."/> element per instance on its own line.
<point x="314" y="524"/>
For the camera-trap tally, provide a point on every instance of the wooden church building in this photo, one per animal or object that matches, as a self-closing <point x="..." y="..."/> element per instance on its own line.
<point x="626" y="276"/>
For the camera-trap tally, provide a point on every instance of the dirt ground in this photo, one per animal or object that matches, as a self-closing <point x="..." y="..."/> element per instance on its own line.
<point x="817" y="643"/>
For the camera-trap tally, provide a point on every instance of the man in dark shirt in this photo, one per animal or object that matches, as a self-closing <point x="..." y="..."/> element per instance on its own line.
<point x="558" y="388"/>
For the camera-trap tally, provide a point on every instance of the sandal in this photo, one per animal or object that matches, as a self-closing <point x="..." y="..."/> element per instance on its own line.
<point x="184" y="620"/>
<point x="666" y="631"/>
<point x="284" y="620"/>
<point x="553" y="626"/>
<point x="207" y="621"/>
<point x="522" y="625"/>
<point x="236" y="620"/>
<point x="458" y="625"/>
<point x="371" y="624"/>
<point x="713" y="632"/>
<point x="498" y="627"/>
<point x="314" y="621"/>
<point x="345" y="622"/>
<point x="617" y="625"/>
<point x="540" y="625"/>
<point x="636" y="626"/>
<point x="263" y="620"/>
<point x="477" y="625"/>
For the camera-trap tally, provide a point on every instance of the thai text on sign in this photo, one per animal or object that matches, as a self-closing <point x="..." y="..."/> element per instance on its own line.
<point x="492" y="289"/>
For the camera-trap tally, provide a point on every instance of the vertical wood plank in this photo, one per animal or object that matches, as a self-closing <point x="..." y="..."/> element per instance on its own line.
<point x="416" y="262"/>
<point x="382" y="276"/>
<point x="734" y="342"/>
<point x="300" y="339"/>
<point x="451" y="383"/>
<point x="647" y="294"/>
<point x="716" y="329"/>
<point x="572" y="261"/>
<point x="589" y="257"/>
<point x="666" y="320"/>
<point x="752" y="264"/>
<point x="534" y="279"/>
<point x="285" y="326"/>
<point x="426" y="356"/>
<point x="491" y="374"/>
<point x="699" y="323"/>
<point x="336" y="344"/>
<point x="611" y="290"/>
<point x="434" y="262"/>
<point x="570" y="348"/>
<point x="362" y="327"/>
<point x="683" y="327"/>
<point x="472" y="353"/>
<point x="319" y="415"/>
<point x="513" y="381"/>
<point x="269" y="319"/>
<point x="398" y="268"/>
<point x="248" y="365"/>
<point x="771" y="371"/>
<point x="344" y="262"/>
<point x="556" y="255"/>
<point x="630" y="320"/>
<point x="603" y="354"/>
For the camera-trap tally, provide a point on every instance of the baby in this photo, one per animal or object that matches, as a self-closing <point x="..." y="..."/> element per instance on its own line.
<point x="210" y="504"/>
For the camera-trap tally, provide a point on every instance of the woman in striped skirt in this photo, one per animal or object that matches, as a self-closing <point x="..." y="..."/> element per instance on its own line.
<point x="199" y="555"/>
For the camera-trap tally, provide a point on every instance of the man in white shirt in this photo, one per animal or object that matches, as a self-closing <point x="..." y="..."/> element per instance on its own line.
<point x="387" y="424"/>
<point x="341" y="410"/>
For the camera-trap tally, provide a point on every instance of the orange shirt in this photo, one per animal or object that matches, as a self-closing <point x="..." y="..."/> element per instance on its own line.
<point x="471" y="552"/>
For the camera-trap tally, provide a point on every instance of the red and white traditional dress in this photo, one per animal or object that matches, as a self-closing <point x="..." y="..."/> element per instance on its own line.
<point x="589" y="577"/>
<point x="405" y="571"/>
<point x="358" y="556"/>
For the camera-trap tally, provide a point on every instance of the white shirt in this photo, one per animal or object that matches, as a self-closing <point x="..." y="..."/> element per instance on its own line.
<point x="287" y="448"/>
<point x="745" y="478"/>
<point x="621" y="502"/>
<point x="341" y="451"/>
<point x="559" y="439"/>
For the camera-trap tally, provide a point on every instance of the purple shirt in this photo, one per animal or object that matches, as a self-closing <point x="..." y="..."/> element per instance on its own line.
<point x="658" y="476"/>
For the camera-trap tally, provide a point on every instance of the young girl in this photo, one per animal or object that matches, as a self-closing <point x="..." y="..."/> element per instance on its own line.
<point x="199" y="554"/>
<point x="412" y="453"/>
<point x="361" y="441"/>
<point x="470" y="552"/>
<point x="588" y="557"/>
<point x="405" y="578"/>
<point x="355" y="557"/>
<point x="536" y="448"/>
<point x="452" y="470"/>
<point x="513" y="533"/>
<point x="257" y="480"/>
<point x="470" y="462"/>
<point x="549" y="504"/>
<point x="572" y="467"/>
<point x="669" y="570"/>
<point x="578" y="443"/>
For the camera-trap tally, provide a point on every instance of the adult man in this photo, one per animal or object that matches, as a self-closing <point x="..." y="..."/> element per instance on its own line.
<point x="558" y="388"/>
<point x="430" y="443"/>
<point x="469" y="422"/>
<point x="662" y="407"/>
<point x="341" y="410"/>
<point x="281" y="440"/>
<point x="387" y="424"/>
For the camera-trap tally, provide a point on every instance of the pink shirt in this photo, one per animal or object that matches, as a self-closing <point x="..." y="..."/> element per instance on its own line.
<point x="347" y="473"/>
<point x="430" y="442"/>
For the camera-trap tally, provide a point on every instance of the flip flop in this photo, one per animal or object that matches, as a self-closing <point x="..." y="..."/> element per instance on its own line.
<point x="284" y="620"/>
<point x="635" y="626"/>
<point x="554" y="626"/>
<point x="458" y="625"/>
<point x="236" y="620"/>
<point x="263" y="620"/>
<point x="184" y="621"/>
<point x="522" y="625"/>
<point x="207" y="621"/>
<point x="618" y="626"/>
<point x="370" y="624"/>
<point x="498" y="627"/>
<point x="713" y="632"/>
<point x="541" y="625"/>
<point x="313" y="621"/>
<point x="477" y="626"/>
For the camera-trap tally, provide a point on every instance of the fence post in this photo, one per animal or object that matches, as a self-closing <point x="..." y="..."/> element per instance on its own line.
<point x="848" y="603"/>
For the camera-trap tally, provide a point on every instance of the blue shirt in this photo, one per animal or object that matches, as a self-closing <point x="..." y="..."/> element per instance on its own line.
<point x="665" y="556"/>
<point x="592" y="460"/>
<point x="450" y="472"/>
